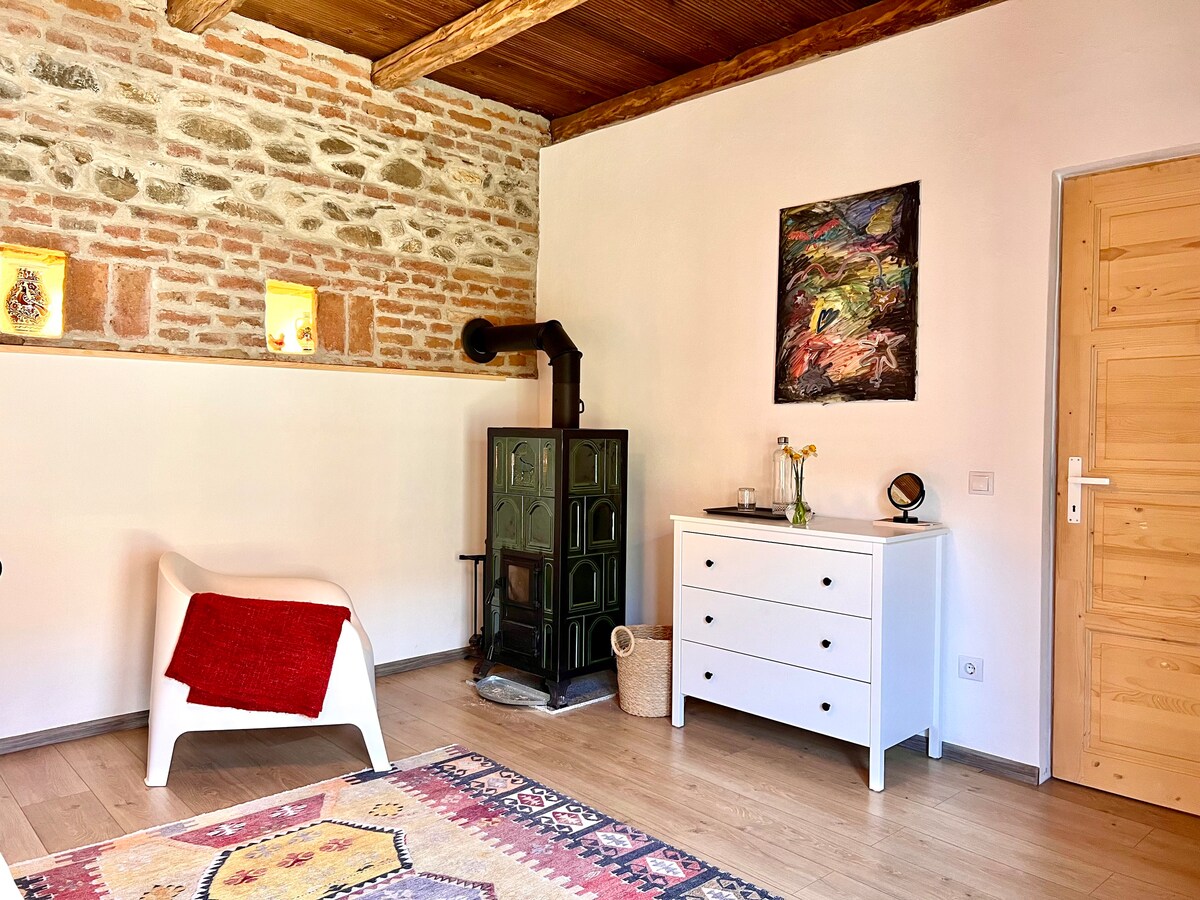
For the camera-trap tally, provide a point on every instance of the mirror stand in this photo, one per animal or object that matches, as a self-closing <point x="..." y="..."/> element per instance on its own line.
<point x="906" y="493"/>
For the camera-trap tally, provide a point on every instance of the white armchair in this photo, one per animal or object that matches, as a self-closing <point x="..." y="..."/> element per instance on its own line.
<point x="8" y="887"/>
<point x="350" y="699"/>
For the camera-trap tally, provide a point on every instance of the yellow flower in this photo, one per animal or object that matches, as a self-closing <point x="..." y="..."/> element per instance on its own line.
<point x="802" y="453"/>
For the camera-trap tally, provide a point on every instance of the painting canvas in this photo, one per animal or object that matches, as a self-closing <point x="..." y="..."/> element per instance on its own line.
<point x="847" y="319"/>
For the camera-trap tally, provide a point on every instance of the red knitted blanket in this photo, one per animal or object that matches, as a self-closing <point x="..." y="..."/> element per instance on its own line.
<point x="267" y="655"/>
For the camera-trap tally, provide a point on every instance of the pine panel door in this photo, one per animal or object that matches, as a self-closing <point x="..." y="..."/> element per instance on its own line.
<point x="1127" y="579"/>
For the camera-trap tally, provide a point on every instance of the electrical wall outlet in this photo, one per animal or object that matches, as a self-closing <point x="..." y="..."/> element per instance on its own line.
<point x="970" y="668"/>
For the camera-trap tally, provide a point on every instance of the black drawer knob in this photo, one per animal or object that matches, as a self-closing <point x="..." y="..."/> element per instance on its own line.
<point x="827" y="581"/>
<point x="708" y="675"/>
<point x="709" y="563"/>
<point x="708" y="619"/>
<point x="826" y="707"/>
<point x="827" y="643"/>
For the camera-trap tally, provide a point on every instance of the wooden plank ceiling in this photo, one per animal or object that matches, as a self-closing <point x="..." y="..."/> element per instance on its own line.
<point x="587" y="57"/>
<point x="599" y="50"/>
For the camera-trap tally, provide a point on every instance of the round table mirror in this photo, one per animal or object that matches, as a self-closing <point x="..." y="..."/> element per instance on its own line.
<point x="906" y="493"/>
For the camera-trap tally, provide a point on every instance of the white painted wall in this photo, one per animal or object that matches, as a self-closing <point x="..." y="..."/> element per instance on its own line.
<point x="658" y="252"/>
<point x="372" y="480"/>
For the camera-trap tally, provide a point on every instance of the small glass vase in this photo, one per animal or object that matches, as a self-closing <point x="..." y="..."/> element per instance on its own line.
<point x="799" y="514"/>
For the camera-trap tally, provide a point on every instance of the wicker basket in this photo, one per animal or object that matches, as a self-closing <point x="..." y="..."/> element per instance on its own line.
<point x="643" y="669"/>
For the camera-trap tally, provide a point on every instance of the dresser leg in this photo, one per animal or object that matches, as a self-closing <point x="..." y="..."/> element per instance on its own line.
<point x="934" y="736"/>
<point x="875" y="779"/>
<point x="677" y="710"/>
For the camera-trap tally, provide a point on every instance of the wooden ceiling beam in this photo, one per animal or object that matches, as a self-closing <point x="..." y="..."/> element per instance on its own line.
<point x="846" y="32"/>
<point x="197" y="16"/>
<point x="478" y="30"/>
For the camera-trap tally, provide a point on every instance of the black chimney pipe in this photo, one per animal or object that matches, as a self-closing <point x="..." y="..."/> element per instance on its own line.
<point x="482" y="341"/>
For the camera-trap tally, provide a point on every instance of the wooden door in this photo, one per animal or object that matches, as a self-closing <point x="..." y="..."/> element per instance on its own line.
<point x="1127" y="581"/>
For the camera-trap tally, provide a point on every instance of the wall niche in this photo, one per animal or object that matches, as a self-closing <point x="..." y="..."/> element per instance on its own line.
<point x="291" y="318"/>
<point x="31" y="287"/>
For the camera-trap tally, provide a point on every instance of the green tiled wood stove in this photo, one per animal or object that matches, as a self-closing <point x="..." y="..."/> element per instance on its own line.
<point x="555" y="526"/>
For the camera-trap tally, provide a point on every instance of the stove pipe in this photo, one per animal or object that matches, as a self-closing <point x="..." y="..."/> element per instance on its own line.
<point x="482" y="341"/>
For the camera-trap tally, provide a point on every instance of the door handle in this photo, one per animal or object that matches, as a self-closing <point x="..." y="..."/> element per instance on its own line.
<point x="1075" y="482"/>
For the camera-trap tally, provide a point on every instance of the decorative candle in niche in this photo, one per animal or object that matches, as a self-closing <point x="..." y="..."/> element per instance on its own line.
<point x="291" y="318"/>
<point x="31" y="291"/>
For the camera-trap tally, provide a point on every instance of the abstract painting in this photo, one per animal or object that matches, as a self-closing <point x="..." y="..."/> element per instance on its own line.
<point x="847" y="319"/>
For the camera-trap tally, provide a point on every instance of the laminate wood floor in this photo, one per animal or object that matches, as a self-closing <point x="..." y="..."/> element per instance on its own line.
<point x="781" y="807"/>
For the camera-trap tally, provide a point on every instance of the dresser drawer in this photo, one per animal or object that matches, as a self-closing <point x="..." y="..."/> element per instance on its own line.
<point x="776" y="691"/>
<point x="815" y="639"/>
<point x="832" y="580"/>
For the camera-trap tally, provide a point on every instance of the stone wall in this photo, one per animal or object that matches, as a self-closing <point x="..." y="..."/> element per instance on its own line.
<point x="181" y="172"/>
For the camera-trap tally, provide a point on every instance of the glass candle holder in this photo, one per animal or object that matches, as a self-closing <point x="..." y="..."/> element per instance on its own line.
<point x="745" y="498"/>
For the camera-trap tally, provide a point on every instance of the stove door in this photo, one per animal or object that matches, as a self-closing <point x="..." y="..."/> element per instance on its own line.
<point x="520" y="594"/>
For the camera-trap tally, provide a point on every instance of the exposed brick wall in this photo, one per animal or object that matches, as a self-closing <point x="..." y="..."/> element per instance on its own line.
<point x="180" y="172"/>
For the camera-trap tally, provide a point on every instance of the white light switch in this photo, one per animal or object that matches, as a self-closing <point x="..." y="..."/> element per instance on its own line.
<point x="981" y="483"/>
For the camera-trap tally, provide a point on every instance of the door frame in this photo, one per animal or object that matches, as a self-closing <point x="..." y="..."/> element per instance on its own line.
<point x="1050" y="471"/>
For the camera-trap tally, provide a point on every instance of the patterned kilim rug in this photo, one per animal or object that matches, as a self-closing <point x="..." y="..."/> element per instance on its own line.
<point x="447" y="825"/>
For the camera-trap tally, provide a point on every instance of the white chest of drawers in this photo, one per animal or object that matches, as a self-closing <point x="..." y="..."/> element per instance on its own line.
<point x="834" y="628"/>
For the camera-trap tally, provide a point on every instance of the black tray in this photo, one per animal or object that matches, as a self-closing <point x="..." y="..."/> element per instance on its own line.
<point x="759" y="512"/>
